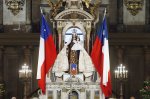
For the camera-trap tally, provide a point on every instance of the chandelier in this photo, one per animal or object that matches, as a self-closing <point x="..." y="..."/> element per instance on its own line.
<point x="15" y="6"/>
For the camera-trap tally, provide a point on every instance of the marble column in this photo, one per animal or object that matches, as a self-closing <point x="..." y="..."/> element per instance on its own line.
<point x="28" y="15"/>
<point x="1" y="15"/>
<point x="147" y="62"/>
<point x="1" y="73"/>
<point x="120" y="15"/>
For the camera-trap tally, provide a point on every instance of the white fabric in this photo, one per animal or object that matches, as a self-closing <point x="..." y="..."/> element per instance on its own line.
<point x="106" y="66"/>
<point x="85" y="63"/>
<point x="41" y="57"/>
<point x="61" y="63"/>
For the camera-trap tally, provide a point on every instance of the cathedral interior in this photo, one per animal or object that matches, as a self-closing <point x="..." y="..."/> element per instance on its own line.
<point x="128" y="24"/>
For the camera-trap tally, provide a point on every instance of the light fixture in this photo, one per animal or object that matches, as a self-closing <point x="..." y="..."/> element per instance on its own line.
<point x="121" y="74"/>
<point x="134" y="6"/>
<point x="15" y="6"/>
<point x="25" y="74"/>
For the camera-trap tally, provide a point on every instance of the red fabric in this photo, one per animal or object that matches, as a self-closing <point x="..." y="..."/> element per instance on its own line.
<point x="50" y="56"/>
<point x="98" y="59"/>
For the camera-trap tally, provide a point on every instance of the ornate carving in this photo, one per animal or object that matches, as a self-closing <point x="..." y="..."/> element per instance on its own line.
<point x="54" y="6"/>
<point x="15" y="6"/>
<point x="134" y="6"/>
<point x="2" y="89"/>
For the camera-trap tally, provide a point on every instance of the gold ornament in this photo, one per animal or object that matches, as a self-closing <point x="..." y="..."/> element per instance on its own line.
<point x="134" y="6"/>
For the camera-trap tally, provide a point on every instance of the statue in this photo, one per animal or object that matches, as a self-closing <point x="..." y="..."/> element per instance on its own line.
<point x="73" y="59"/>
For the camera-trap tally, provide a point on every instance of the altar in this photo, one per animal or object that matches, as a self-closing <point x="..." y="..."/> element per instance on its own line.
<point x="73" y="75"/>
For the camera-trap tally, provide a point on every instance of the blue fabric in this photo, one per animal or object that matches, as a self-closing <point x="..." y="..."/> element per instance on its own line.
<point x="103" y="32"/>
<point x="45" y="29"/>
<point x="73" y="66"/>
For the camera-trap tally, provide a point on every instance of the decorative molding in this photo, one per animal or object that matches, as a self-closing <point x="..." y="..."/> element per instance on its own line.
<point x="134" y="6"/>
<point x="15" y="6"/>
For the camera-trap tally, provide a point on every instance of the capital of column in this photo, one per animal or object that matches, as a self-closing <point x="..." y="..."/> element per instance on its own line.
<point x="27" y="53"/>
<point x="120" y="53"/>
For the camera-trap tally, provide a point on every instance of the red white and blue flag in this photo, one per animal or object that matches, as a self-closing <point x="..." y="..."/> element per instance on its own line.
<point x="73" y="69"/>
<point x="100" y="58"/>
<point x="47" y="54"/>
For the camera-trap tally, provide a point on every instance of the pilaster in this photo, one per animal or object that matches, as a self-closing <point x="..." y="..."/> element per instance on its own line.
<point x="54" y="94"/>
<point x="120" y="15"/>
<point x="27" y="60"/>
<point x="147" y="62"/>
<point x="1" y="15"/>
<point x="1" y="73"/>
<point x="120" y="54"/>
<point x="92" y="93"/>
<point x="28" y="15"/>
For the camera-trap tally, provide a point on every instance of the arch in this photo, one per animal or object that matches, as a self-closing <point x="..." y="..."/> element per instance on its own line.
<point x="71" y="90"/>
<point x="67" y="12"/>
<point x="77" y="24"/>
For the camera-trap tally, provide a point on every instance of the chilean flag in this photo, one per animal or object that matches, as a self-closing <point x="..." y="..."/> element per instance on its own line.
<point x="47" y="54"/>
<point x="73" y="69"/>
<point x="100" y="58"/>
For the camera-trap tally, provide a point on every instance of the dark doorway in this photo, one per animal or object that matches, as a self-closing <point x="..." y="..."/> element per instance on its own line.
<point x="73" y="95"/>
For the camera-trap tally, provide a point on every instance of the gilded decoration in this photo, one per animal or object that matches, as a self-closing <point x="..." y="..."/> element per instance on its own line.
<point x="15" y="6"/>
<point x="54" y="4"/>
<point x="92" y="5"/>
<point x="134" y="6"/>
<point x="2" y="90"/>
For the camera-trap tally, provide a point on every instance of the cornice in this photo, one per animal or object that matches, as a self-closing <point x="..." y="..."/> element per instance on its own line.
<point x="132" y="39"/>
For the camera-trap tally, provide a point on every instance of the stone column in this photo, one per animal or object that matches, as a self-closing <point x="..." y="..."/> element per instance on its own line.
<point x="59" y="40"/>
<point x="1" y="73"/>
<point x="147" y="63"/>
<point x="92" y="94"/>
<point x="120" y="11"/>
<point x="88" y="29"/>
<point x="120" y="14"/>
<point x="62" y="95"/>
<point x="98" y="78"/>
<point x="28" y="15"/>
<point x="59" y="29"/>
<point x="83" y="95"/>
<point x="1" y="15"/>
<point x="120" y="54"/>
<point x="147" y="10"/>
<point x="54" y="94"/>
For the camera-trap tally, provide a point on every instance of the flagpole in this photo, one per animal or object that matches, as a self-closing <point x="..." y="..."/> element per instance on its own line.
<point x="105" y="11"/>
<point x="41" y="10"/>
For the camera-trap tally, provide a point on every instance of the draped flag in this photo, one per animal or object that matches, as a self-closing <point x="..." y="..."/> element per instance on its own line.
<point x="47" y="54"/>
<point x="100" y="58"/>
